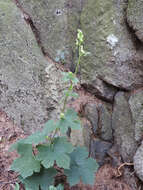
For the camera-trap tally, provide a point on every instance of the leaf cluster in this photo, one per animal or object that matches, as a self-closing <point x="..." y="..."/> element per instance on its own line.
<point x="37" y="170"/>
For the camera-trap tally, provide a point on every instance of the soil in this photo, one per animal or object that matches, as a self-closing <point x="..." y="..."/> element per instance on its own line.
<point x="106" y="178"/>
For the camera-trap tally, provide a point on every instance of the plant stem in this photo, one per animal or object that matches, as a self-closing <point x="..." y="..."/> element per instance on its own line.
<point x="78" y="63"/>
<point x="70" y="89"/>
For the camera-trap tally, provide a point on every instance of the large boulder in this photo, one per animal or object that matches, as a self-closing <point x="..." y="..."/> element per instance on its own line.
<point x="56" y="22"/>
<point x="99" y="150"/>
<point x="27" y="94"/>
<point x="99" y="116"/>
<point x="138" y="162"/>
<point x="123" y="128"/>
<point x="134" y="17"/>
<point x="114" y="57"/>
<point x="136" y="106"/>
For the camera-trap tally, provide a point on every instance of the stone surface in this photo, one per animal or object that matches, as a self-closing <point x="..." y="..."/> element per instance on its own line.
<point x="99" y="149"/>
<point x="82" y="137"/>
<point x="138" y="162"/>
<point x="123" y="128"/>
<point x="91" y="112"/>
<point x="115" y="57"/>
<point x="136" y="105"/>
<point x="101" y="89"/>
<point x="27" y="95"/>
<point x="99" y="116"/>
<point x="57" y="22"/>
<point x="105" y="123"/>
<point x="134" y="17"/>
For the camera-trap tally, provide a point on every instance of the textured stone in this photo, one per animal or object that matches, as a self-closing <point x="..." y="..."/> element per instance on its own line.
<point x="76" y="138"/>
<point x="138" y="162"/>
<point x="81" y="137"/>
<point x="27" y="95"/>
<point x="105" y="123"/>
<point x="136" y="105"/>
<point x="101" y="89"/>
<point x="114" y="57"/>
<point x="91" y="113"/>
<point x="134" y="17"/>
<point x="57" y="23"/>
<point x="99" y="149"/>
<point x="123" y="127"/>
<point x="100" y="119"/>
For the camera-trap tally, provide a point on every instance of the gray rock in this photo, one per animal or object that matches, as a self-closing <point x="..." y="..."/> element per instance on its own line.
<point x="114" y="57"/>
<point x="101" y="89"/>
<point x="105" y="123"/>
<point x="99" y="149"/>
<point x="130" y="178"/>
<point x="138" y="162"/>
<point x="57" y="22"/>
<point x="139" y="127"/>
<point x="123" y="127"/>
<point x="100" y="119"/>
<point x="91" y="113"/>
<point x="27" y="95"/>
<point x="134" y="17"/>
<point x="136" y="105"/>
<point x="82" y="137"/>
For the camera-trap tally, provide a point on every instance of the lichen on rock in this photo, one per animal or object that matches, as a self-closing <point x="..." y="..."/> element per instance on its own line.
<point x="134" y="17"/>
<point x="25" y="92"/>
<point x="123" y="128"/>
<point x="114" y="57"/>
<point x="56" y="22"/>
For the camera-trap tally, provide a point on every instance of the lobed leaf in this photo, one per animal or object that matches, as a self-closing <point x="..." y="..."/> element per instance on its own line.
<point x="71" y="120"/>
<point x="40" y="137"/>
<point x="40" y="180"/>
<point x="81" y="167"/>
<point x="58" y="152"/>
<point x="26" y="165"/>
<point x="37" y="137"/>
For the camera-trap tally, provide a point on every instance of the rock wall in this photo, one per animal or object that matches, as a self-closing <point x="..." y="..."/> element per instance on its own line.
<point x="35" y="35"/>
<point x="27" y="94"/>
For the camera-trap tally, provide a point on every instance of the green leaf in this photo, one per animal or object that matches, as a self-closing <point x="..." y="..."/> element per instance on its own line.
<point x="16" y="186"/>
<point x="58" y="152"/>
<point x="81" y="167"/>
<point x="70" y="93"/>
<point x="69" y="76"/>
<point x="14" y="146"/>
<point x="40" y="137"/>
<point x="26" y="164"/>
<point x="60" y="187"/>
<point x="71" y="120"/>
<point x="52" y="187"/>
<point x="75" y="95"/>
<point x="37" y="137"/>
<point x="40" y="180"/>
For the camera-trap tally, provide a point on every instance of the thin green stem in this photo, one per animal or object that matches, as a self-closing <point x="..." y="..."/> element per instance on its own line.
<point x="64" y="107"/>
<point x="78" y="63"/>
<point x="70" y="89"/>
